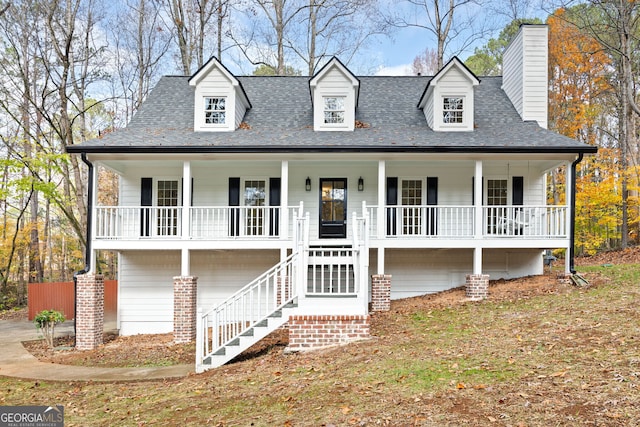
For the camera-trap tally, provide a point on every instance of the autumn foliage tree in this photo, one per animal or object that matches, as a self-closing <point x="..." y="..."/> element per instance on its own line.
<point x="582" y="106"/>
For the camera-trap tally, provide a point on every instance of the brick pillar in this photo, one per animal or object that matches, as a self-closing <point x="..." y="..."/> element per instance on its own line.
<point x="89" y="311"/>
<point x="477" y="286"/>
<point x="564" y="278"/>
<point x="317" y="331"/>
<point x="381" y="292"/>
<point x="185" y="300"/>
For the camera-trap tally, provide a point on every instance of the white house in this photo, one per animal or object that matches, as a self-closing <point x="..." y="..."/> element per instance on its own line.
<point x="249" y="202"/>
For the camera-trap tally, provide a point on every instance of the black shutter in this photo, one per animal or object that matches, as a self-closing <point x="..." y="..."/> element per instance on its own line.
<point x="146" y="199"/>
<point x="234" y="200"/>
<point x="274" y="200"/>
<point x="432" y="190"/>
<point x="432" y="199"/>
<point x="518" y="191"/>
<point x="392" y="200"/>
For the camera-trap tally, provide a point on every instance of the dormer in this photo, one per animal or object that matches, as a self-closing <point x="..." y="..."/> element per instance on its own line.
<point x="220" y="102"/>
<point x="447" y="101"/>
<point x="334" y="94"/>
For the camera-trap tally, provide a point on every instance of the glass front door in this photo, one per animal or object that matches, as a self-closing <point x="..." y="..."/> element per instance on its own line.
<point x="333" y="208"/>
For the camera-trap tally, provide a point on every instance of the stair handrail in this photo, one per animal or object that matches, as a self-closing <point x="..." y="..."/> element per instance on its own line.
<point x="281" y="291"/>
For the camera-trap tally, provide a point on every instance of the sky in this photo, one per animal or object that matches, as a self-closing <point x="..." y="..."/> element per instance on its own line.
<point x="394" y="55"/>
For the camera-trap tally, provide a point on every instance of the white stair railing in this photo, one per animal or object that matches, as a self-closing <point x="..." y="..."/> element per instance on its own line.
<point x="252" y="304"/>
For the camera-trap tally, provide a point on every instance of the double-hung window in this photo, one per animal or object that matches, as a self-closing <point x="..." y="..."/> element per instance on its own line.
<point x="255" y="200"/>
<point x="215" y="110"/>
<point x="411" y="199"/>
<point x="334" y="109"/>
<point x="452" y="110"/>
<point x="167" y="202"/>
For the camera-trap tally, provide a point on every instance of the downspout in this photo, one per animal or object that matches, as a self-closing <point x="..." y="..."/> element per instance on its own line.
<point x="87" y="255"/>
<point x="572" y="226"/>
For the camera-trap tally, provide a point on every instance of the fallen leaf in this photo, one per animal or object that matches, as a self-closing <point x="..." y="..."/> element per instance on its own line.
<point x="345" y="410"/>
<point x="461" y="386"/>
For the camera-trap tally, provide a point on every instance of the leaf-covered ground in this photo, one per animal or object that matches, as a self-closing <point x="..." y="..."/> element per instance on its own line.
<point x="535" y="354"/>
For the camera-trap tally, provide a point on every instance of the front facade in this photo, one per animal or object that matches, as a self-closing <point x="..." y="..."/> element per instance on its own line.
<point x="326" y="195"/>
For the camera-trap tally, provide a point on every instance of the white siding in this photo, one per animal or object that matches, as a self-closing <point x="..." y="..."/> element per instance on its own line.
<point x="299" y="171"/>
<point x="525" y="73"/>
<point x="423" y="271"/>
<point x="428" y="110"/>
<point x="512" y="263"/>
<point x="145" y="297"/>
<point x="222" y="273"/>
<point x="334" y="83"/>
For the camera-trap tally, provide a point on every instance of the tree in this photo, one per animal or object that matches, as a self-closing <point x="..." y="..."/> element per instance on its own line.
<point x="487" y="60"/>
<point x="615" y="24"/>
<point x="437" y="17"/>
<point x="191" y="23"/>
<point x="140" y="43"/>
<point x="426" y="63"/>
<point x="332" y="28"/>
<point x="267" y="70"/>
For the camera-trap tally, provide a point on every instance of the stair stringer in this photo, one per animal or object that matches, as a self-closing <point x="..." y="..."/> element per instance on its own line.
<point x="246" y="339"/>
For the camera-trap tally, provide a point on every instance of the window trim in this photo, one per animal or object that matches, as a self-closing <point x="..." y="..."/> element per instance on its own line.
<point x="464" y="111"/>
<point x="326" y="110"/>
<point x="204" y="111"/>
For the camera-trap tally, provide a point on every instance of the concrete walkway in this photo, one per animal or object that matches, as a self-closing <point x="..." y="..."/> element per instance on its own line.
<point x="16" y="361"/>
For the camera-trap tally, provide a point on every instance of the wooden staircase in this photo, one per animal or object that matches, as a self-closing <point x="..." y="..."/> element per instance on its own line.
<point x="251" y="336"/>
<point x="247" y="316"/>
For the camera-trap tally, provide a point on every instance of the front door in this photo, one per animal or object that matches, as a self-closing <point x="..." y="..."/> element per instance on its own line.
<point x="333" y="208"/>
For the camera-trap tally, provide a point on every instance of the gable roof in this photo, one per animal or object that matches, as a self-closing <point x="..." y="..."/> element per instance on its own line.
<point x="212" y="63"/>
<point x="334" y="62"/>
<point x="453" y="62"/>
<point x="282" y="120"/>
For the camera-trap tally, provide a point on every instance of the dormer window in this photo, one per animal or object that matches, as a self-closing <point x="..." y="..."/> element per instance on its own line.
<point x="334" y="94"/>
<point x="334" y="109"/>
<point x="447" y="101"/>
<point x="217" y="92"/>
<point x="215" y="110"/>
<point x="453" y="110"/>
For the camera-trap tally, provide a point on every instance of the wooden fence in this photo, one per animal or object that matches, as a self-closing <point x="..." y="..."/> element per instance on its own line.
<point x="60" y="296"/>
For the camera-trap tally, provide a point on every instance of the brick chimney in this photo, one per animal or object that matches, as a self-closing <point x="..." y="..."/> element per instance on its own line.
<point x="525" y="77"/>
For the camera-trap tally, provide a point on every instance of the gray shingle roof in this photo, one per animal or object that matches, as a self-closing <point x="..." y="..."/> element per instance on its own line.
<point x="282" y="119"/>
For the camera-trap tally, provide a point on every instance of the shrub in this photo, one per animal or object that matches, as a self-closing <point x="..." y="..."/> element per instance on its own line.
<point x="46" y="321"/>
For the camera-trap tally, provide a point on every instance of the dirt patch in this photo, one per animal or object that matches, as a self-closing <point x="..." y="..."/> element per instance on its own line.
<point x="19" y="314"/>
<point x="159" y="350"/>
<point x="626" y="256"/>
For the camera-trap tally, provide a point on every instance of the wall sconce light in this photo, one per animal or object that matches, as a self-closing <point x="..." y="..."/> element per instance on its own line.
<point x="307" y="184"/>
<point x="360" y="184"/>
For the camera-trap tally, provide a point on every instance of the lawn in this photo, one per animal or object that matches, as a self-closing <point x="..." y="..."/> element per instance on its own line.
<point x="536" y="355"/>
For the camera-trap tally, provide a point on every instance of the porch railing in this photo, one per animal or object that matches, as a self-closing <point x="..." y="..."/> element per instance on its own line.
<point x="118" y="222"/>
<point x="267" y="222"/>
<point x="527" y="221"/>
<point x="429" y="221"/>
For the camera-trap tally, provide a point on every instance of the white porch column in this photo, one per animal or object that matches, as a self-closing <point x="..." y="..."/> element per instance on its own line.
<point x="186" y="200"/>
<point x="185" y="262"/>
<point x="284" y="200"/>
<point x="94" y="202"/>
<point x="477" y="260"/>
<point x="381" y="223"/>
<point x="568" y="179"/>
<point x="477" y="197"/>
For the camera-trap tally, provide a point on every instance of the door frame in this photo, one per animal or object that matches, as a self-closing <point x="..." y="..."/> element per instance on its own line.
<point x="332" y="229"/>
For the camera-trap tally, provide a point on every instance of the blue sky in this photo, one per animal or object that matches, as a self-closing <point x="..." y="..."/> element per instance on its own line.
<point x="395" y="55"/>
